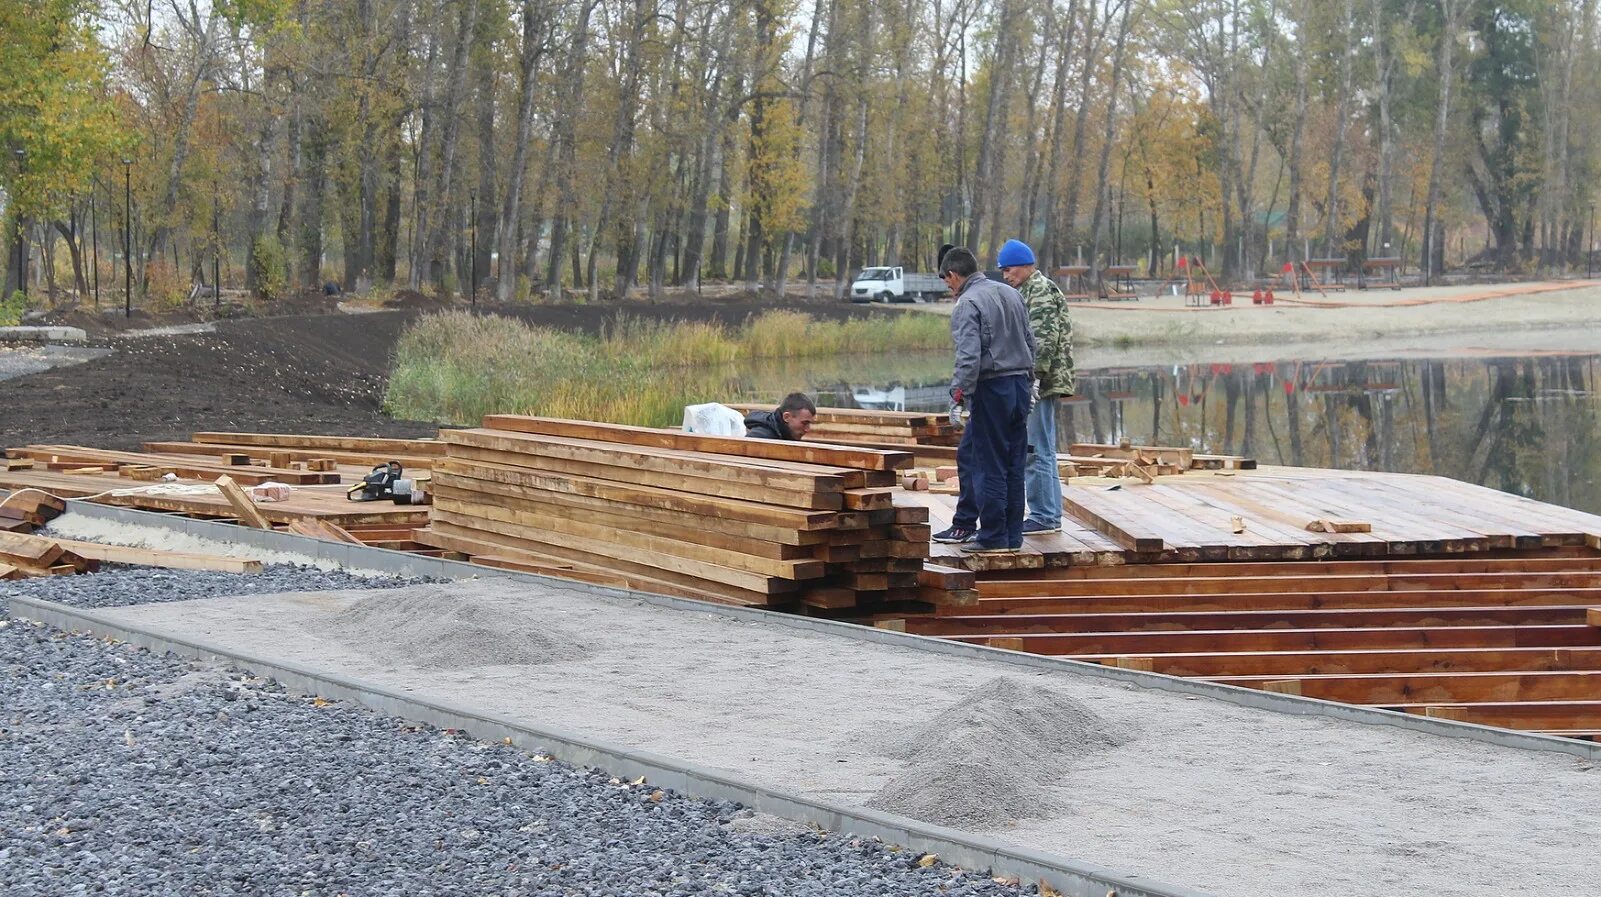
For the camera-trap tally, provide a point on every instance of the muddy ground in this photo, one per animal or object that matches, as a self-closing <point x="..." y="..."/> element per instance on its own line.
<point x="321" y="373"/>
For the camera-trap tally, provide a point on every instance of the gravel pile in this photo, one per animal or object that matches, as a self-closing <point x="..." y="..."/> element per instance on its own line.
<point x="123" y="772"/>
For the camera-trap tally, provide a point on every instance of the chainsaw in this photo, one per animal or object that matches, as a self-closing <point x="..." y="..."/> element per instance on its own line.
<point x="378" y="485"/>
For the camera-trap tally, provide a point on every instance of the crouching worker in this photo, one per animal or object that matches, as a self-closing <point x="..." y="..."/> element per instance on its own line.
<point x="792" y="419"/>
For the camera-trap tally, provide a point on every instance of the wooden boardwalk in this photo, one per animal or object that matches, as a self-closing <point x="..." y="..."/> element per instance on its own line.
<point x="1460" y="602"/>
<point x="1193" y="518"/>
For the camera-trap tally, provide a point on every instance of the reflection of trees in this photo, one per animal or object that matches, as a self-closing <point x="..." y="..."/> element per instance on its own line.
<point x="1524" y="425"/>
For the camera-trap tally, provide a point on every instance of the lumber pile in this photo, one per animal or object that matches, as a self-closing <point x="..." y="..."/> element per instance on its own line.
<point x="269" y="449"/>
<point x="898" y="428"/>
<point x="153" y="466"/>
<point x="734" y="520"/>
<point x="25" y="510"/>
<point x="23" y="556"/>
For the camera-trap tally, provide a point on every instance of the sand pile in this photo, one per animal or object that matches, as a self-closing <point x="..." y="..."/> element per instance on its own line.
<point x="993" y="757"/>
<point x="451" y="626"/>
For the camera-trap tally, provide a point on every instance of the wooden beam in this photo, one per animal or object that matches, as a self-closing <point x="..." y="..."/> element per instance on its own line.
<point x="1088" y="510"/>
<point x="33" y="551"/>
<point x="1284" y="601"/>
<point x="531" y="481"/>
<point x="241" y="503"/>
<point x="366" y="445"/>
<point x="1192" y="621"/>
<point x="620" y="470"/>
<point x="769" y="449"/>
<point x="1282" y="664"/>
<point x="1330" y="639"/>
<point x="156" y="557"/>
<point x="1389" y="689"/>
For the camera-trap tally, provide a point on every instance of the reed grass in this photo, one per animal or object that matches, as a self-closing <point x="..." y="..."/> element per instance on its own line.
<point x="455" y="367"/>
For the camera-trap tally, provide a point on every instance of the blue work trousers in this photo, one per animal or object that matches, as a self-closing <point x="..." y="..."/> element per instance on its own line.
<point x="1043" y="483"/>
<point x="990" y="462"/>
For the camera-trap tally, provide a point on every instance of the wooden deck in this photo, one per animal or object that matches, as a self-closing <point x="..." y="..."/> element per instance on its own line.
<point x="1461" y="602"/>
<point x="1192" y="518"/>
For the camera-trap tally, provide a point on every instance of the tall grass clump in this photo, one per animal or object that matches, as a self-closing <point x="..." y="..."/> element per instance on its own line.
<point x="455" y="367"/>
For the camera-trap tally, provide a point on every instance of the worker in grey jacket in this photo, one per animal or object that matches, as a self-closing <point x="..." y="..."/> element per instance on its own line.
<point x="994" y="380"/>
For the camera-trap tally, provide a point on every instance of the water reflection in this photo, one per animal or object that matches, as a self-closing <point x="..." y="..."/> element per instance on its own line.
<point x="1523" y="424"/>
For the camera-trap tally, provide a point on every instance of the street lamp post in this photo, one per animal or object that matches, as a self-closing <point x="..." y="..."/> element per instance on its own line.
<point x="127" y="237"/>
<point x="22" y="258"/>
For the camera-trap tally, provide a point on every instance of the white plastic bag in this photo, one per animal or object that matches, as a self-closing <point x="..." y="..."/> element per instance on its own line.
<point x="713" y="419"/>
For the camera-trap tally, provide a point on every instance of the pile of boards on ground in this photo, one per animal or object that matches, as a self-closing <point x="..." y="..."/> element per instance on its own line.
<point x="743" y="521"/>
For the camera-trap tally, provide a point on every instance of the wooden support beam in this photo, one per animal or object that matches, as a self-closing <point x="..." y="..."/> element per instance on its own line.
<point x="1295" y="664"/>
<point x="241" y="503"/>
<point x="949" y="623"/>
<point x="1245" y="641"/>
<point x="1284" y="601"/>
<point x="776" y="450"/>
<point x="21" y="550"/>
<point x="155" y="557"/>
<point x="1390" y="689"/>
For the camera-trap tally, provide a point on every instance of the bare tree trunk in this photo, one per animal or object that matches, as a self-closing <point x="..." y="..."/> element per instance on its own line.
<point x="1453" y="12"/>
<point x="1053" y="249"/>
<point x="535" y="42"/>
<point x="1292" y="215"/>
<point x="1331" y="220"/>
<point x="1098" y="225"/>
<point x="439" y="244"/>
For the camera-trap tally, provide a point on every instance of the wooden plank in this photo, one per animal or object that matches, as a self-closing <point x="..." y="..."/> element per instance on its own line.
<point x="769" y="449"/>
<point x="650" y="552"/>
<point x="621" y="472"/>
<point x="1208" y="664"/>
<point x="1332" y="639"/>
<point x="535" y="528"/>
<point x="639" y="495"/>
<point x="1379" y="582"/>
<point x="1517" y="615"/>
<point x="241" y="503"/>
<point x="1518" y="715"/>
<point x="1284" y="601"/>
<point x="1388" y="689"/>
<point x="937" y="577"/>
<point x="366" y="445"/>
<point x="674" y="461"/>
<point x="875" y="499"/>
<point x="704" y="578"/>
<point x="320" y="529"/>
<point x="227" y="453"/>
<point x="20" y="550"/>
<point x="449" y="485"/>
<point x="523" y="512"/>
<point x="156" y="557"/>
<point x="1091" y="512"/>
<point x="186" y="466"/>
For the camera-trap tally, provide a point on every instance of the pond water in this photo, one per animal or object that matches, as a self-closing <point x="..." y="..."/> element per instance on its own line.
<point x="1524" y="423"/>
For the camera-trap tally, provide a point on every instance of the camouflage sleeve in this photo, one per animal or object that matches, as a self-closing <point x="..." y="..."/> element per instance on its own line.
<point x="1045" y="317"/>
<point x="1065" y="375"/>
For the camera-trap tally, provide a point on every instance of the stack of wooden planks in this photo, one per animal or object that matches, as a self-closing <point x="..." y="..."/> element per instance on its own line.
<point x="413" y="454"/>
<point x="743" y="521"/>
<point x="897" y="428"/>
<point x="29" y="509"/>
<point x="1512" y="640"/>
<point x="153" y="466"/>
<point x="23" y="556"/>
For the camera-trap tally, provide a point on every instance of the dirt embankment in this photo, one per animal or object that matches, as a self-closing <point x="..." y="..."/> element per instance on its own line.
<point x="306" y="374"/>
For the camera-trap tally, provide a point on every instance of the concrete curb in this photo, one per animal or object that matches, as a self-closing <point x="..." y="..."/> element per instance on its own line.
<point x="956" y="847"/>
<point x="401" y="563"/>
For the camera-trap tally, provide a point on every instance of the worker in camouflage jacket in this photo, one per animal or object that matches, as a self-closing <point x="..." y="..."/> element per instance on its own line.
<point x="1053" y="369"/>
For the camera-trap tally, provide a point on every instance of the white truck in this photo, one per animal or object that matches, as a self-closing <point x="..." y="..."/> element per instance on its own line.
<point x="895" y="284"/>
